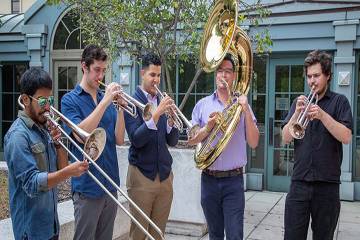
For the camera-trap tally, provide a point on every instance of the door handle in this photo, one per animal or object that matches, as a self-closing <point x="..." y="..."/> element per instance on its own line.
<point x="271" y="131"/>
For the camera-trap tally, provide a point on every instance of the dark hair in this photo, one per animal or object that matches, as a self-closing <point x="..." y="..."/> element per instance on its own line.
<point x="229" y="57"/>
<point x="34" y="79"/>
<point x="150" y="58"/>
<point x="93" y="52"/>
<point x="321" y="57"/>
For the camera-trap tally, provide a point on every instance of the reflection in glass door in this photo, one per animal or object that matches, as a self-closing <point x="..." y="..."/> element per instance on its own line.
<point x="286" y="83"/>
<point x="66" y="75"/>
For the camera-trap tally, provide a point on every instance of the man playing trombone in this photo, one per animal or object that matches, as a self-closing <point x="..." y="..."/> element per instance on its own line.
<point x="89" y="108"/>
<point x="314" y="189"/>
<point x="36" y="161"/>
<point x="149" y="179"/>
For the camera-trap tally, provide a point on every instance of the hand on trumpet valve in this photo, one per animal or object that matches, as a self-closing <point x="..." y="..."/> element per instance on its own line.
<point x="314" y="112"/>
<point x="119" y="99"/>
<point x="112" y="91"/>
<point x="301" y="103"/>
<point x="165" y="105"/>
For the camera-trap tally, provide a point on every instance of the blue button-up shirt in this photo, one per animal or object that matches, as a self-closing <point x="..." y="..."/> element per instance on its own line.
<point x="30" y="156"/>
<point x="76" y="106"/>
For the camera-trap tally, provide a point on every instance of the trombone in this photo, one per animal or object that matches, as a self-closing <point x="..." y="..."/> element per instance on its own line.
<point x="132" y="103"/>
<point x="179" y="118"/>
<point x="297" y="129"/>
<point x="94" y="144"/>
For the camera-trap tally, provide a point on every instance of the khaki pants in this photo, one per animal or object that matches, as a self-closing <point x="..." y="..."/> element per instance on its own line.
<point x="153" y="197"/>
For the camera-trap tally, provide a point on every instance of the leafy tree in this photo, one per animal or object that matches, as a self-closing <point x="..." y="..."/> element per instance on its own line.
<point x="170" y="28"/>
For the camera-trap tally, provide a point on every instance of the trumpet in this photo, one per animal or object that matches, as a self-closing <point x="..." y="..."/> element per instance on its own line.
<point x="94" y="144"/>
<point x="297" y="129"/>
<point x="179" y="118"/>
<point x="132" y="103"/>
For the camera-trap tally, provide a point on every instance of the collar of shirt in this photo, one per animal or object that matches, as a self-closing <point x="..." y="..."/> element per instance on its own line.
<point x="150" y="98"/>
<point x="79" y="90"/>
<point x="327" y="94"/>
<point x="29" y="122"/>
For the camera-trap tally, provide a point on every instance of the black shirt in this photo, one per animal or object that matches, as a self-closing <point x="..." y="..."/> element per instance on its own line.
<point x="318" y="155"/>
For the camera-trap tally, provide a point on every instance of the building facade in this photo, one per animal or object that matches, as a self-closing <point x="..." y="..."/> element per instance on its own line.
<point x="46" y="36"/>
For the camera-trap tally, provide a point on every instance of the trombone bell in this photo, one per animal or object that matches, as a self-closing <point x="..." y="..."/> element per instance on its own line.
<point x="95" y="143"/>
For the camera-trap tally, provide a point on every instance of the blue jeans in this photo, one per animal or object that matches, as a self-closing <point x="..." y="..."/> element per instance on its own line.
<point x="223" y="202"/>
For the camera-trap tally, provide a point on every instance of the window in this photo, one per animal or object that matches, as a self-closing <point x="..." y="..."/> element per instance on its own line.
<point x="258" y="104"/>
<point x="68" y="33"/>
<point x="181" y="77"/>
<point x="15" y="6"/>
<point x="10" y="91"/>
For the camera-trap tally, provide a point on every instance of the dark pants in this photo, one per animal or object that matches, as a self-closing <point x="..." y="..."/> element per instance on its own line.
<point x="94" y="218"/>
<point x="321" y="201"/>
<point x="223" y="202"/>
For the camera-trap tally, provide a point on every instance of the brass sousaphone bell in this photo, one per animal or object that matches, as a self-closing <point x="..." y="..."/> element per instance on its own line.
<point x="222" y="36"/>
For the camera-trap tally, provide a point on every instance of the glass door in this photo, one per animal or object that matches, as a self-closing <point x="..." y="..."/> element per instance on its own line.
<point x="286" y="83"/>
<point x="66" y="75"/>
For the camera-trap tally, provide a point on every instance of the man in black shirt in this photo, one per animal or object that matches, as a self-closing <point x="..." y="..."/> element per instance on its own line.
<point x="314" y="189"/>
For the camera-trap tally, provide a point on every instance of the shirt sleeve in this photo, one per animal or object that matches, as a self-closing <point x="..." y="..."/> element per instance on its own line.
<point x="168" y="127"/>
<point x="344" y="115"/>
<point x="252" y="114"/>
<point x="196" y="115"/>
<point x="22" y="163"/>
<point x="151" y="124"/>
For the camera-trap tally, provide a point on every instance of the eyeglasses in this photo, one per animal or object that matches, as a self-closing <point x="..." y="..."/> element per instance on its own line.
<point x="225" y="71"/>
<point x="42" y="101"/>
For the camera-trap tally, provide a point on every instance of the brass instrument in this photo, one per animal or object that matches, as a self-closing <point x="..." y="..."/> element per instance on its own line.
<point x="132" y="103"/>
<point x="94" y="144"/>
<point x="297" y="130"/>
<point x="222" y="36"/>
<point x="179" y="118"/>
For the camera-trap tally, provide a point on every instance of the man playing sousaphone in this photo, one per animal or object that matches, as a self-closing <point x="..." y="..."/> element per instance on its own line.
<point x="314" y="189"/>
<point x="222" y="185"/>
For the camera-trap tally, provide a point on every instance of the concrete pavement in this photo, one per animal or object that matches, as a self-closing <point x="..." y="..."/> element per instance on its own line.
<point x="264" y="218"/>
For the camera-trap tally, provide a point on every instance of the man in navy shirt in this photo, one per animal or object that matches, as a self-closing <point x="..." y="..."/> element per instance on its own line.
<point x="36" y="162"/>
<point x="314" y="189"/>
<point x="89" y="108"/>
<point x="149" y="180"/>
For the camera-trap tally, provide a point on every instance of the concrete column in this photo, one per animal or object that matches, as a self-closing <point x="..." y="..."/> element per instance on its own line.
<point x="344" y="83"/>
<point x="35" y="40"/>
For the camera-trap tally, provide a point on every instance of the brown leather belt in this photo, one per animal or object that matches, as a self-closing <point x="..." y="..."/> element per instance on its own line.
<point x="223" y="174"/>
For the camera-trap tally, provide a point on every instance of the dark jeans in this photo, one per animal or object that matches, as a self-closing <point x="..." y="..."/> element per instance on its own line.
<point x="223" y="202"/>
<point x="321" y="201"/>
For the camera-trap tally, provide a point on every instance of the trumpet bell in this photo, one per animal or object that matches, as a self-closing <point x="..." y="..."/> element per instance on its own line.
<point x="147" y="112"/>
<point x="95" y="143"/>
<point x="297" y="131"/>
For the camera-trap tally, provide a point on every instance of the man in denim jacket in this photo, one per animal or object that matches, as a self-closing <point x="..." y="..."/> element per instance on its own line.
<point x="36" y="162"/>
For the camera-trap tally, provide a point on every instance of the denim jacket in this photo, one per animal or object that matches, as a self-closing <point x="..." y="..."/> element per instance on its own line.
<point x="30" y="156"/>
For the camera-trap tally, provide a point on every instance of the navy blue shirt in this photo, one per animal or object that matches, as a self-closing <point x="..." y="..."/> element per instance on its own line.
<point x="30" y="156"/>
<point x="76" y="106"/>
<point x="149" y="151"/>
<point x="318" y="155"/>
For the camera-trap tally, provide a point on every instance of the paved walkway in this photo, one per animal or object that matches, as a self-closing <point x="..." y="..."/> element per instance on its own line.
<point x="264" y="218"/>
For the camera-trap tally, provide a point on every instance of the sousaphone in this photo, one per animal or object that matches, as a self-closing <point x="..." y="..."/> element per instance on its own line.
<point x="222" y="36"/>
